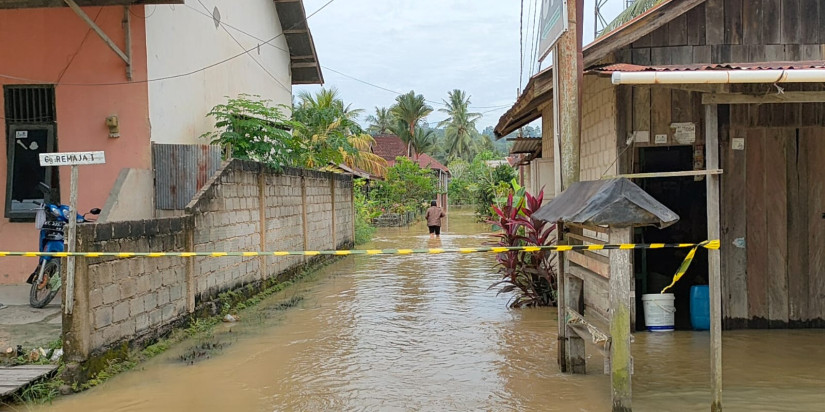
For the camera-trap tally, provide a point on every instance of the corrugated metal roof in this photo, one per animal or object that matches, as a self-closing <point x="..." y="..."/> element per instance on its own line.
<point x="29" y="4"/>
<point x="531" y="145"/>
<point x="626" y="67"/>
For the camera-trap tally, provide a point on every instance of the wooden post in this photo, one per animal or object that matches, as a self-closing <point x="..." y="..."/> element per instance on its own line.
<point x="561" y="304"/>
<point x="556" y="126"/>
<point x="714" y="256"/>
<point x="72" y="243"/>
<point x="620" y="360"/>
<point x="570" y="76"/>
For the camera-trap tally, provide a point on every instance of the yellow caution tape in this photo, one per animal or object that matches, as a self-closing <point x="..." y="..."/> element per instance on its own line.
<point x="712" y="244"/>
<point x="715" y="245"/>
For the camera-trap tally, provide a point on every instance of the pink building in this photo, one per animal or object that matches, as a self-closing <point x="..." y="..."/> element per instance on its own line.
<point x="156" y="67"/>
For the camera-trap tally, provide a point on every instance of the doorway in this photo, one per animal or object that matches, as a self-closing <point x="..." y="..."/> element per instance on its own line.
<point x="686" y="196"/>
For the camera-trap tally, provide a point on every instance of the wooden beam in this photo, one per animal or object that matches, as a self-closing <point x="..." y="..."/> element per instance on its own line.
<point x="667" y="174"/>
<point x="785" y="97"/>
<point x="642" y="26"/>
<point x="590" y="263"/>
<point x="85" y="17"/>
<point x="561" y="301"/>
<point x="295" y="31"/>
<point x="304" y="65"/>
<point x="714" y="256"/>
<point x="36" y="4"/>
<point x="621" y="274"/>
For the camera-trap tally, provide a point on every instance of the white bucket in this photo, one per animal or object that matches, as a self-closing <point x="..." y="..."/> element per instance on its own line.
<point x="659" y="311"/>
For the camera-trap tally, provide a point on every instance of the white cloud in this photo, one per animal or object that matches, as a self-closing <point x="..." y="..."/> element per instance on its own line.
<point x="430" y="46"/>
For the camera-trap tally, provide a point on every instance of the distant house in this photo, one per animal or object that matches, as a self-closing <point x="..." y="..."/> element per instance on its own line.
<point x="390" y="147"/>
<point x="121" y="75"/>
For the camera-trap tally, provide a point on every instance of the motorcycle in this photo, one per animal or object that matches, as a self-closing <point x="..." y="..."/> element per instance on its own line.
<point x="51" y="220"/>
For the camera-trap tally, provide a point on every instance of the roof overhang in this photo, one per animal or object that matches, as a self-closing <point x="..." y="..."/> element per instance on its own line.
<point x="539" y="89"/>
<point x="528" y="145"/>
<point x="34" y="4"/>
<point x="304" y="60"/>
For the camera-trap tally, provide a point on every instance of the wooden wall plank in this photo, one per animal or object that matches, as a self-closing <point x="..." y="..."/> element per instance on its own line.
<point x="660" y="55"/>
<point x="797" y="173"/>
<point x="734" y="212"/>
<point x="677" y="31"/>
<point x="756" y="53"/>
<point x="641" y="109"/>
<point x="643" y="43"/>
<point x="771" y="29"/>
<point x="756" y="242"/>
<point x="738" y="53"/>
<point x="659" y="37"/>
<point x="702" y="54"/>
<point x="640" y="56"/>
<point x="733" y="21"/>
<point x="660" y="100"/>
<point x="776" y="202"/>
<point x="696" y="26"/>
<point x="814" y="142"/>
<point x="811" y="52"/>
<point x="681" y="107"/>
<point x="681" y="54"/>
<point x="752" y="22"/>
<point x="715" y="21"/>
<point x="791" y="16"/>
<point x="809" y="21"/>
<point x="774" y="53"/>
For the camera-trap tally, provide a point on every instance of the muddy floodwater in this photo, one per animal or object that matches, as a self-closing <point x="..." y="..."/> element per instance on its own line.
<point x="424" y="333"/>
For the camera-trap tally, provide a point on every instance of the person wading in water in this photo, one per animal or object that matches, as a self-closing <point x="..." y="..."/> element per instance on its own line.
<point x="434" y="215"/>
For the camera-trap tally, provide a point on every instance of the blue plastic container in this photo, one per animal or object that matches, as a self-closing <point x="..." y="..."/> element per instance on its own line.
<point x="700" y="307"/>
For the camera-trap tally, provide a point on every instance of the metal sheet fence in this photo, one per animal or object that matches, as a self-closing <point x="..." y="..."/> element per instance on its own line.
<point x="180" y="171"/>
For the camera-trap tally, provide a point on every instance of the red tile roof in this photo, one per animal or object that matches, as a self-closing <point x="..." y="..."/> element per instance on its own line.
<point x="391" y="146"/>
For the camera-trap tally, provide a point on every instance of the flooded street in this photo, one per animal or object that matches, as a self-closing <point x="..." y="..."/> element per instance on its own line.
<point x="423" y="332"/>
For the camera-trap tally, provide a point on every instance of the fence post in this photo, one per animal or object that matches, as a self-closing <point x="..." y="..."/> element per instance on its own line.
<point x="620" y="360"/>
<point x="262" y="224"/>
<point x="332" y="196"/>
<point x="304" y="211"/>
<point x="191" y="286"/>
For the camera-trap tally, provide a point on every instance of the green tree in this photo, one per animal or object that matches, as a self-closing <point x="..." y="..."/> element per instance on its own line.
<point x="329" y="128"/>
<point x="381" y="122"/>
<point x="251" y="128"/>
<point x="409" y="109"/>
<point x="407" y="187"/>
<point x="423" y="141"/>
<point x="461" y="131"/>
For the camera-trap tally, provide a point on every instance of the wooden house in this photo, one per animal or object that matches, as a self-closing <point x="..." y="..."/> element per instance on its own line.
<point x="696" y="88"/>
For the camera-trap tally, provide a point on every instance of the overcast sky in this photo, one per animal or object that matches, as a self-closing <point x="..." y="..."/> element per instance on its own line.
<point x="430" y="46"/>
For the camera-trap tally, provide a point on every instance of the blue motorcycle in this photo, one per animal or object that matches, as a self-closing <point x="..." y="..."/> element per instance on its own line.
<point x="51" y="220"/>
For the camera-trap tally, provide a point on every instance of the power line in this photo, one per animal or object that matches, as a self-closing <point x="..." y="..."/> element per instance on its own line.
<point x="289" y="90"/>
<point x="176" y="76"/>
<point x="82" y="42"/>
<point x="521" y="46"/>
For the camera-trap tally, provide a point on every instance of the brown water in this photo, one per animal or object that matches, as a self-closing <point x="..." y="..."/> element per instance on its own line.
<point x="422" y="332"/>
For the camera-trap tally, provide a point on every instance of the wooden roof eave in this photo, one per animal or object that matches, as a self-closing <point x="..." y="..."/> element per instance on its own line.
<point x="525" y="110"/>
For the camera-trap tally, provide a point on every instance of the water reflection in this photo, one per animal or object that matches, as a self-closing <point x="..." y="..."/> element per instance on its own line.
<point x="424" y="332"/>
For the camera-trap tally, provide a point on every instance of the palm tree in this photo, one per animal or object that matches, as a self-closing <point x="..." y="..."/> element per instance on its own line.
<point x="423" y="141"/>
<point x="410" y="108"/>
<point x="381" y="122"/>
<point x="460" y="131"/>
<point x="330" y="130"/>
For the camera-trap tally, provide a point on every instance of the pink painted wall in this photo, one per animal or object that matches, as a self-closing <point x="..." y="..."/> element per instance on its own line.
<point x="47" y="45"/>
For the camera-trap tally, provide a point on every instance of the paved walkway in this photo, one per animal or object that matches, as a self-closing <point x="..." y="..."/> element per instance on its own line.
<point x="21" y="324"/>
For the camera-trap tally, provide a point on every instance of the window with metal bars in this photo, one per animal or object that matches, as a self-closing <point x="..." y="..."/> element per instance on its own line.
<point x="30" y="130"/>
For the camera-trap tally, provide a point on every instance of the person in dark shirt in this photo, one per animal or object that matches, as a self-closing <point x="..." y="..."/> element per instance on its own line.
<point x="434" y="215"/>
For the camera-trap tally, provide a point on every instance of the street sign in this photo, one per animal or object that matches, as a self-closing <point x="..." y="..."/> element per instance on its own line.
<point x="553" y="25"/>
<point x="72" y="159"/>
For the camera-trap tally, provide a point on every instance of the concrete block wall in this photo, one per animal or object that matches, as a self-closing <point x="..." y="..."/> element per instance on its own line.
<point x="244" y="207"/>
<point x="598" y="144"/>
<point x="117" y="297"/>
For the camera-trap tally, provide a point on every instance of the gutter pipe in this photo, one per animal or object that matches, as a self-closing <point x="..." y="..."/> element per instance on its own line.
<point x="720" y="77"/>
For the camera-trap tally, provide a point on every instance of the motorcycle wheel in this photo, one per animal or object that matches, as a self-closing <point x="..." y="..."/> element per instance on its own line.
<point x="41" y="292"/>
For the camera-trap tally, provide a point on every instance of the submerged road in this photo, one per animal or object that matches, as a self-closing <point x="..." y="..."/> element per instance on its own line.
<point x="423" y="332"/>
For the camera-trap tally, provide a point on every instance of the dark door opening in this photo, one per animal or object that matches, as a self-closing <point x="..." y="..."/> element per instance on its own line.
<point x="687" y="197"/>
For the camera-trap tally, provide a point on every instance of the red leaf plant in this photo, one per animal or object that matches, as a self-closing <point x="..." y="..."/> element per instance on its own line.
<point x="531" y="275"/>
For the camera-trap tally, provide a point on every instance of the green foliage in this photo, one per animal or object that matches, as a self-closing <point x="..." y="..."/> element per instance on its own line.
<point x="462" y="137"/>
<point x="381" y="122"/>
<point x="408" y="188"/>
<point x="252" y="129"/>
<point x="365" y="211"/>
<point x="478" y="184"/>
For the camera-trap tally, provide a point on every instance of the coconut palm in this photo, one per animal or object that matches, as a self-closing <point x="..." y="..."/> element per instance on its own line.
<point x="330" y="130"/>
<point x="460" y="127"/>
<point x="410" y="108"/>
<point x="423" y="141"/>
<point x="381" y="122"/>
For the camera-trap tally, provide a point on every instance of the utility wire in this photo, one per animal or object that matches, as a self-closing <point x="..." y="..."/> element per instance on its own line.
<point x="521" y="46"/>
<point x="288" y="90"/>
<point x="176" y="76"/>
<point x="80" y="47"/>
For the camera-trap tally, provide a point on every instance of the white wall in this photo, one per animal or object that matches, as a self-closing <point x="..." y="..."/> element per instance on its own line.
<point x="183" y="38"/>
